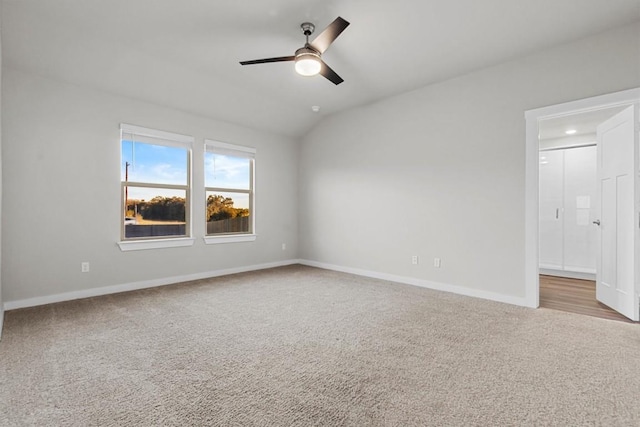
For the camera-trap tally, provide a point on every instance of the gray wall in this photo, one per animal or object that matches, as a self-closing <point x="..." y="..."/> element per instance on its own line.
<point x="1" y="298"/>
<point x="61" y="161"/>
<point x="437" y="172"/>
<point x="440" y="171"/>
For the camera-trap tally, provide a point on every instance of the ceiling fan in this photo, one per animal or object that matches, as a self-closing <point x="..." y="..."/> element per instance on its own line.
<point x="308" y="59"/>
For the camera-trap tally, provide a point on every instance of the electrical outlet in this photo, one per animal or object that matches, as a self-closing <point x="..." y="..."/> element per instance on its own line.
<point x="436" y="262"/>
<point x="84" y="267"/>
<point x="284" y="246"/>
<point x="414" y="260"/>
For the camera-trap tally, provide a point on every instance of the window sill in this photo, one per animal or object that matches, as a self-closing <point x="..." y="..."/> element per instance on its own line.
<point x="139" y="245"/>
<point x="214" y="240"/>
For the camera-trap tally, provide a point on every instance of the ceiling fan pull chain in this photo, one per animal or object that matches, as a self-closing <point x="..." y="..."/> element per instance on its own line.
<point x="133" y="152"/>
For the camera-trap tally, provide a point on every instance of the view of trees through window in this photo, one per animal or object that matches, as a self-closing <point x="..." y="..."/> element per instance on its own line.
<point x="172" y="209"/>
<point x="155" y="180"/>
<point x="155" y="175"/>
<point x="220" y="207"/>
<point x="229" y="189"/>
<point x="158" y="209"/>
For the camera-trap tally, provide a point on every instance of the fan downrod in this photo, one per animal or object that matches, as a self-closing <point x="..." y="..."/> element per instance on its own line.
<point x="307" y="28"/>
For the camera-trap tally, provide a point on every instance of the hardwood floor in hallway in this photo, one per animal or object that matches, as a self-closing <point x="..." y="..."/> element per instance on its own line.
<point x="574" y="296"/>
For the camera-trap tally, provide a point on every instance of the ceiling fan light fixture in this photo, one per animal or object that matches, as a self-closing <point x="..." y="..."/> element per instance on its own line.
<point x="308" y="59"/>
<point x="307" y="62"/>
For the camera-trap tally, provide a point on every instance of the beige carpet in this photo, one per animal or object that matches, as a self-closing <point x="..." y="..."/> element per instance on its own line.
<point x="299" y="346"/>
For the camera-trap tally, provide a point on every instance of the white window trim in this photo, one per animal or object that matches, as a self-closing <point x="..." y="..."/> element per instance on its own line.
<point x="183" y="141"/>
<point x="229" y="238"/>
<point x="213" y="239"/>
<point x="138" y="245"/>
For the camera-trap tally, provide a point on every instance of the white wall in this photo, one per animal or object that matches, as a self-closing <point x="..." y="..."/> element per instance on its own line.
<point x="61" y="158"/>
<point x="1" y="303"/>
<point x="440" y="171"/>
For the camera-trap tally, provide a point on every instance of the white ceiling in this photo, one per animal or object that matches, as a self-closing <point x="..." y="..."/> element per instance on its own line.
<point x="185" y="54"/>
<point x="582" y="123"/>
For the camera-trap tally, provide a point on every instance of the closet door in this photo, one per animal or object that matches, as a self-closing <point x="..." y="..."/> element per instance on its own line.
<point x="580" y="235"/>
<point x="551" y="201"/>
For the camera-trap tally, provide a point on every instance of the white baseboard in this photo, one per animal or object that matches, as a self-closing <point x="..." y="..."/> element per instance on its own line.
<point x="134" y="286"/>
<point x="461" y="290"/>
<point x="107" y="290"/>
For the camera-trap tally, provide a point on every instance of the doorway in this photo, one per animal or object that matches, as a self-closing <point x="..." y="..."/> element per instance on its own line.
<point x="568" y="236"/>
<point x="535" y="120"/>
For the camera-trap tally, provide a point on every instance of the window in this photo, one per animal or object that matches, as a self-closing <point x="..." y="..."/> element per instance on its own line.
<point x="229" y="171"/>
<point x="155" y="185"/>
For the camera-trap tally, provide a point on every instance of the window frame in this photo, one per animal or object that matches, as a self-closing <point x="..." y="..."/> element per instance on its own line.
<point x="213" y="146"/>
<point x="161" y="138"/>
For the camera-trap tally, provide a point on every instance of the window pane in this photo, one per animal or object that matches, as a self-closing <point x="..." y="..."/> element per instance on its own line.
<point x="227" y="212"/>
<point x="224" y="171"/>
<point x="154" y="212"/>
<point x="157" y="164"/>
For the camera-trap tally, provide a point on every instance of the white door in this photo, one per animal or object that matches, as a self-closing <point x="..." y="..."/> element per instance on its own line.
<point x="580" y="186"/>
<point x="551" y="212"/>
<point x="615" y="285"/>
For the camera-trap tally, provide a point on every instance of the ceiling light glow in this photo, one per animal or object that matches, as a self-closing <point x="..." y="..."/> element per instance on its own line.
<point x="307" y="62"/>
<point x="570" y="131"/>
<point x="307" y="66"/>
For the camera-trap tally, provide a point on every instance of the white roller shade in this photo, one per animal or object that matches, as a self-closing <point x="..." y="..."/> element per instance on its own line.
<point x="229" y="149"/>
<point x="152" y="136"/>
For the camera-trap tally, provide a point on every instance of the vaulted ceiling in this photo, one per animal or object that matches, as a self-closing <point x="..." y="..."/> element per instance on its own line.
<point x="185" y="54"/>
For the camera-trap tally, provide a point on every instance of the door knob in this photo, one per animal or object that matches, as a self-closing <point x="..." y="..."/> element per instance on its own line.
<point x="597" y="222"/>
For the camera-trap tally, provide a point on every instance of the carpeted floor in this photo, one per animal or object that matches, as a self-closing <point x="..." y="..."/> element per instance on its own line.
<point x="298" y="346"/>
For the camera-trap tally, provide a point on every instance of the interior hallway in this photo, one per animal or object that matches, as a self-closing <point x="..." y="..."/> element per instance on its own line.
<point x="574" y="296"/>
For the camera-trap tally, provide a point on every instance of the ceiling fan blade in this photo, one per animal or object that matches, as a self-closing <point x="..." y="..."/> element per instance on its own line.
<point x="266" y="60"/>
<point x="325" y="38"/>
<point x="331" y="75"/>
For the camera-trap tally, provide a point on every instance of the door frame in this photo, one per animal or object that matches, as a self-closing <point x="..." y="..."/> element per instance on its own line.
<point x="532" y="147"/>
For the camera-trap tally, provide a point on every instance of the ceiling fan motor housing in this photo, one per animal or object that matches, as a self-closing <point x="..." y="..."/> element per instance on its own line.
<point x="307" y="51"/>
